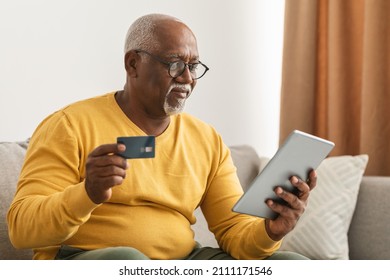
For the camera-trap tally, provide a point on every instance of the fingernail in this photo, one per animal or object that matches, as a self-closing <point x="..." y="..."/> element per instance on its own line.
<point x="294" y="180"/>
<point x="121" y="147"/>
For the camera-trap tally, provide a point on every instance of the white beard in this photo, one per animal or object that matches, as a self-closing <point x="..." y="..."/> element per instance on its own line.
<point x="180" y="102"/>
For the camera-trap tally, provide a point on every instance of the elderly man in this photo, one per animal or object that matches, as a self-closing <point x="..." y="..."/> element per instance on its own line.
<point x="78" y="198"/>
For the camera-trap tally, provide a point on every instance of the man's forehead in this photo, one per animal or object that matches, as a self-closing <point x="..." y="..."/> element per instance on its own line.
<point x="183" y="56"/>
<point x="174" y="29"/>
<point x="176" y="40"/>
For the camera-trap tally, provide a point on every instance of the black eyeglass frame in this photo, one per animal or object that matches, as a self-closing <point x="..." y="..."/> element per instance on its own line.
<point x="169" y="64"/>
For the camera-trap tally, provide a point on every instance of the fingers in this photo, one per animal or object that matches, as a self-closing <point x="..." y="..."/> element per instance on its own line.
<point x="295" y="202"/>
<point x="106" y="164"/>
<point x="108" y="149"/>
<point x="304" y="188"/>
<point x="312" y="181"/>
<point x="292" y="207"/>
<point x="104" y="170"/>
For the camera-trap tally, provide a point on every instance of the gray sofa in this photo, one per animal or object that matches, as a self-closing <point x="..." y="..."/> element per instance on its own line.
<point x="368" y="236"/>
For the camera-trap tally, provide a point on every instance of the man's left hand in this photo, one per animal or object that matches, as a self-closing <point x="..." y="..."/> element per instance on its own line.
<point x="290" y="213"/>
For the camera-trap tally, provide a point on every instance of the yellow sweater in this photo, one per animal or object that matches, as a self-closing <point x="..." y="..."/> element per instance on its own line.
<point x="154" y="207"/>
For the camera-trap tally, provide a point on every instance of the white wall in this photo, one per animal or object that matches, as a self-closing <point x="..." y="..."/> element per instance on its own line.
<point x="56" y="52"/>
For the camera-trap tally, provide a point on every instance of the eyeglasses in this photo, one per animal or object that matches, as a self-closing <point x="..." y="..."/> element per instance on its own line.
<point x="177" y="68"/>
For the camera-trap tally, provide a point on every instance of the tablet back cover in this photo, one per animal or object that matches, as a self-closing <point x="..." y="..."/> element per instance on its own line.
<point x="300" y="153"/>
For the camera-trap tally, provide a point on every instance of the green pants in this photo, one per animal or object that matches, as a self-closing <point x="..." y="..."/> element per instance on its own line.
<point x="128" y="253"/>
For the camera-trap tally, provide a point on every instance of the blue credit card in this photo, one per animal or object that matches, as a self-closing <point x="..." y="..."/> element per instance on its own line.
<point x="138" y="146"/>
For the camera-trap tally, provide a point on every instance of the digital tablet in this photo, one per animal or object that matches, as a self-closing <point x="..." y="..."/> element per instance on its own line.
<point x="300" y="153"/>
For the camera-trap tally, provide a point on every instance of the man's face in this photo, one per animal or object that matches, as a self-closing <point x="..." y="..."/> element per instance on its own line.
<point x="162" y="94"/>
<point x="176" y="97"/>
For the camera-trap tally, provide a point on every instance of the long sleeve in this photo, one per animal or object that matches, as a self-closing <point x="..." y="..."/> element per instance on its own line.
<point x="51" y="202"/>
<point x="242" y="236"/>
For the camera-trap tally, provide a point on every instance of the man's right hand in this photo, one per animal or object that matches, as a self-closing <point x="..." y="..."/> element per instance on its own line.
<point x="104" y="170"/>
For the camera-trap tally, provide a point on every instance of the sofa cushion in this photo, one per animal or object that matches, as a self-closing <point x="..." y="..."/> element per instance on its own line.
<point x="369" y="236"/>
<point x="247" y="162"/>
<point x="322" y="231"/>
<point x="11" y="155"/>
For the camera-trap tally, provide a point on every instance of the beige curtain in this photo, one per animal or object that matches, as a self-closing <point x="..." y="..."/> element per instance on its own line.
<point x="336" y="76"/>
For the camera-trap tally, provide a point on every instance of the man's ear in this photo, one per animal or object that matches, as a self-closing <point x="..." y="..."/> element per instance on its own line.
<point x="131" y="60"/>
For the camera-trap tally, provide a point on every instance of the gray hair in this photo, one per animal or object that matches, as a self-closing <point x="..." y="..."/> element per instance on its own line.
<point x="141" y="34"/>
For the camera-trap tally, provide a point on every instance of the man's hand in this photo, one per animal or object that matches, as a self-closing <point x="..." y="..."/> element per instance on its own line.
<point x="104" y="170"/>
<point x="296" y="204"/>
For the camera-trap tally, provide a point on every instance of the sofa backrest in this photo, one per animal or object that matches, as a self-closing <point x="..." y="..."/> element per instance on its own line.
<point x="11" y="160"/>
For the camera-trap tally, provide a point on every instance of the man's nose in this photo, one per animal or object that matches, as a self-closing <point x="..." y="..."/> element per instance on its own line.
<point x="185" y="77"/>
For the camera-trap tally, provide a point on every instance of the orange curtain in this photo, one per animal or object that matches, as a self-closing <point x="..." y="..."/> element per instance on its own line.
<point x="336" y="76"/>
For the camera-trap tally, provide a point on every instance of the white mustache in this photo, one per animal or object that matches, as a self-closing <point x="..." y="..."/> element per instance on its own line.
<point x="185" y="87"/>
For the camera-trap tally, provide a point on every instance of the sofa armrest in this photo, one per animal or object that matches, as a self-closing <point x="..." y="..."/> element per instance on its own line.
<point x="368" y="234"/>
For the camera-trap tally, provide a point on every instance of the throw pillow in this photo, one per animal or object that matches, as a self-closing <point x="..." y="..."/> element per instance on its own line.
<point x="322" y="231"/>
